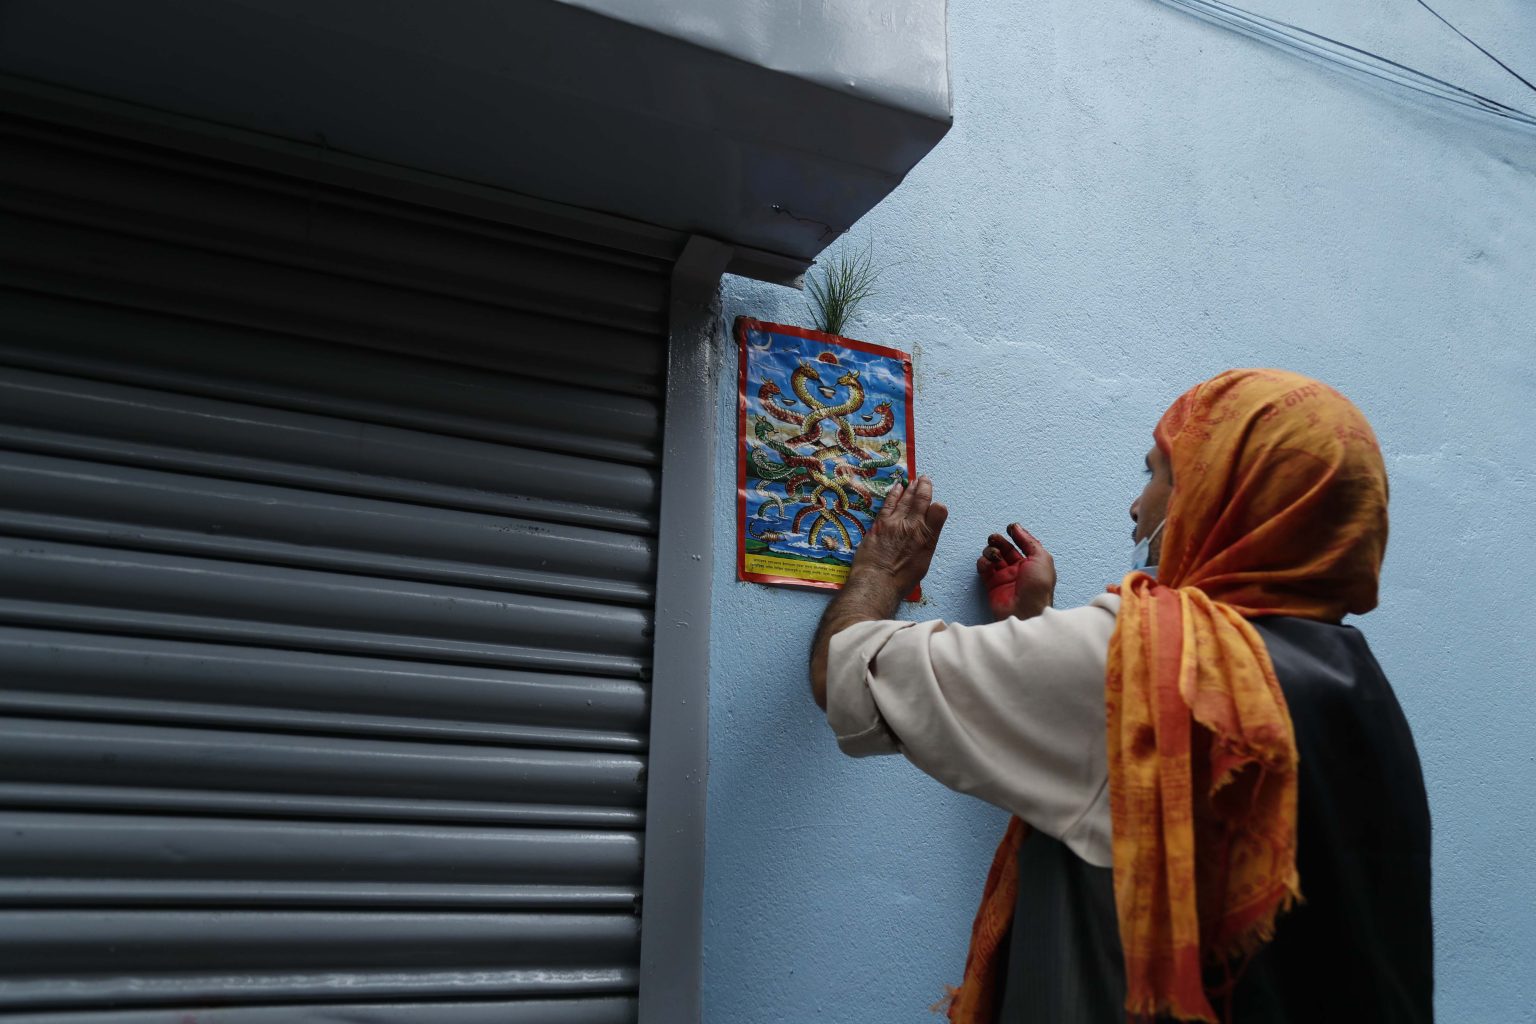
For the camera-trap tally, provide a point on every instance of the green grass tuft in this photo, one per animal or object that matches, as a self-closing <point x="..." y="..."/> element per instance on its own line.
<point x="845" y="281"/>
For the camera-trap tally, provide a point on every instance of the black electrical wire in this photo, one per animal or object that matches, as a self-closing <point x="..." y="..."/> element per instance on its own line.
<point x="1352" y="58"/>
<point x="1474" y="42"/>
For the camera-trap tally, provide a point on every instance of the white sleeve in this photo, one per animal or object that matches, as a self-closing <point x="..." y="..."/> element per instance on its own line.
<point x="1011" y="712"/>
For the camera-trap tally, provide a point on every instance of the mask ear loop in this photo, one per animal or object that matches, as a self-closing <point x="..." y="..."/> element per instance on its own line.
<point x="1145" y="544"/>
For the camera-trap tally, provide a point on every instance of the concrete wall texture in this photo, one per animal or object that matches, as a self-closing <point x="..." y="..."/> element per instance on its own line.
<point x="1131" y="201"/>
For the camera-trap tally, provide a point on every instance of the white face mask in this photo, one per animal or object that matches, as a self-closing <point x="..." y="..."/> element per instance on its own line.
<point x="1143" y="553"/>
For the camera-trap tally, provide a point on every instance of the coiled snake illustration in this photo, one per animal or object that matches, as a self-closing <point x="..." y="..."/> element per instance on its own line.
<point x="830" y="496"/>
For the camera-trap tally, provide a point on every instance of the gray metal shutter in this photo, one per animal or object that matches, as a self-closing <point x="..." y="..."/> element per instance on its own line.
<point x="327" y="530"/>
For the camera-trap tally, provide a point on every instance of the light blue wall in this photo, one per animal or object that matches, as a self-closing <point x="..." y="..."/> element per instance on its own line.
<point x="1131" y="201"/>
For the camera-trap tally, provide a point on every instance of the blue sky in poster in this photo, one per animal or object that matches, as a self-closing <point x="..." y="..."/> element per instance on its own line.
<point x="772" y="356"/>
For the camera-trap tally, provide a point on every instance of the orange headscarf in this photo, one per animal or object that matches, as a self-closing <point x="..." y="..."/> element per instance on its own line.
<point x="1279" y="507"/>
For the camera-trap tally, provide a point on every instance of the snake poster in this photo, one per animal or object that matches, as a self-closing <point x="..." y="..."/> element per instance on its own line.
<point x="825" y="430"/>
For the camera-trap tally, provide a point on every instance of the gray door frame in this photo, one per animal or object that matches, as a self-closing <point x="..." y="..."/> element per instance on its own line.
<point x="672" y="892"/>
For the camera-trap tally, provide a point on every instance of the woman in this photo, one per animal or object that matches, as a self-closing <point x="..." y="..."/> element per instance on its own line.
<point x="1219" y="812"/>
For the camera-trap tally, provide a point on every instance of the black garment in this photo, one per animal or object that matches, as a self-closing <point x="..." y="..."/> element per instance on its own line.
<point x="1358" y="950"/>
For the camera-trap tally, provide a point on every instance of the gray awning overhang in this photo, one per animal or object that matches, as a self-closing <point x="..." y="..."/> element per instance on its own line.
<point x="768" y="126"/>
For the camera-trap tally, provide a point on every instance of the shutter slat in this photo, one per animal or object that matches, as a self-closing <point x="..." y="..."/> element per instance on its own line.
<point x="137" y="857"/>
<point x="90" y="419"/>
<point x="255" y="940"/>
<point x="614" y="1010"/>
<point x="132" y="709"/>
<point x="143" y="509"/>
<point x="324" y="227"/>
<point x="342" y="984"/>
<point x="125" y="799"/>
<point x="199" y="358"/>
<point x="166" y="595"/>
<point x="59" y="752"/>
<point x="293" y="690"/>
<point x="32" y="891"/>
<point x="138" y="274"/>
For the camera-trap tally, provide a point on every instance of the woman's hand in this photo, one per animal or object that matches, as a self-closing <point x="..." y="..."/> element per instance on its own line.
<point x="900" y="544"/>
<point x="1020" y="575"/>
